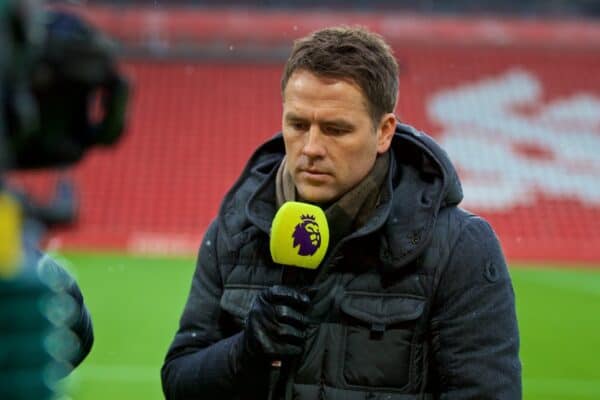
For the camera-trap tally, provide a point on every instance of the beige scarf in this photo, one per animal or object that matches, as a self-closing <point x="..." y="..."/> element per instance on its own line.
<point x="353" y="209"/>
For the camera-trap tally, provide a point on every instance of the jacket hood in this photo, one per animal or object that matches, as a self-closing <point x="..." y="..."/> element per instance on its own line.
<point x="422" y="181"/>
<point x="434" y="160"/>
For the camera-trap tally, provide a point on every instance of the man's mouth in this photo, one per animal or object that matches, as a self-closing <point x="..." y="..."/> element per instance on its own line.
<point x="313" y="174"/>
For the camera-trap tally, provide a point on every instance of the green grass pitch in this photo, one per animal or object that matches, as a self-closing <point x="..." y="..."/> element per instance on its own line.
<point x="136" y="301"/>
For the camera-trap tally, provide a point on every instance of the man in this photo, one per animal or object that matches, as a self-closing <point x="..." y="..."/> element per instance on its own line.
<point x="413" y="299"/>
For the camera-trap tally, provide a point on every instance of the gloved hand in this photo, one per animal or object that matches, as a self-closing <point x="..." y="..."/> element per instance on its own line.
<point x="276" y="324"/>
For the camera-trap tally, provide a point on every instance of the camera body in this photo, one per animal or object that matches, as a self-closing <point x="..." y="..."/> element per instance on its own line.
<point x="60" y="95"/>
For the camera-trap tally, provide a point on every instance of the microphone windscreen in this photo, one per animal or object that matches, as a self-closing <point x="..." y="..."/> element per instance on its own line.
<point x="299" y="235"/>
<point x="10" y="236"/>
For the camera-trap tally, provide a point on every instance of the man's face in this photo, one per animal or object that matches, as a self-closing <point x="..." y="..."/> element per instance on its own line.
<point x="330" y="141"/>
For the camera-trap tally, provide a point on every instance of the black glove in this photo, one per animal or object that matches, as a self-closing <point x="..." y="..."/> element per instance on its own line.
<point x="276" y="324"/>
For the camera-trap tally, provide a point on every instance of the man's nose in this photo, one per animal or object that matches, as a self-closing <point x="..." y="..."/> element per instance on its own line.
<point x="314" y="145"/>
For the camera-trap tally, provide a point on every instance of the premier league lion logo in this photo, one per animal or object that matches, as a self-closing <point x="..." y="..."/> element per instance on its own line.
<point x="307" y="235"/>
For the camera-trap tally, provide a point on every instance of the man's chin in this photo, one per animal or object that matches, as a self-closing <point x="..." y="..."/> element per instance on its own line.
<point x="318" y="197"/>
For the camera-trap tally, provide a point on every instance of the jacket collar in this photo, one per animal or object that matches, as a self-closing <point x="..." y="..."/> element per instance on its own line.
<point x="421" y="182"/>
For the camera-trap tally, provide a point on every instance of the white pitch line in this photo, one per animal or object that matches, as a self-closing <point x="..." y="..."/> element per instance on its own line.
<point x="588" y="287"/>
<point x="564" y="386"/>
<point x="118" y="373"/>
<point x="145" y="374"/>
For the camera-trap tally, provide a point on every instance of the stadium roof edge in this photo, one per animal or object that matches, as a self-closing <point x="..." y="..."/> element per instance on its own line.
<point x="166" y="26"/>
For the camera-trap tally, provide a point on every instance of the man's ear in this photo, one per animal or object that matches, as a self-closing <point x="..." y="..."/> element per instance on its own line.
<point x="385" y="132"/>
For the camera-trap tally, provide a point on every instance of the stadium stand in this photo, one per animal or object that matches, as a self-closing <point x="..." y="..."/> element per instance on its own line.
<point x="556" y="8"/>
<point x="520" y="118"/>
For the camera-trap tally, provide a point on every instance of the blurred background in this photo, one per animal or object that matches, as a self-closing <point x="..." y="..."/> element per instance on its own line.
<point x="511" y="89"/>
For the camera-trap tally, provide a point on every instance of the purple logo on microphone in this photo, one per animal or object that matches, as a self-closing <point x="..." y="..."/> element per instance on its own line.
<point x="307" y="235"/>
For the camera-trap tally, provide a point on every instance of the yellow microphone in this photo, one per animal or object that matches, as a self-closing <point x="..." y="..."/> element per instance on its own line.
<point x="299" y="238"/>
<point x="299" y="235"/>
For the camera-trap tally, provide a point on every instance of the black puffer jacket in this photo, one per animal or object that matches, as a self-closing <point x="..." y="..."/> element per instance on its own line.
<point x="418" y="303"/>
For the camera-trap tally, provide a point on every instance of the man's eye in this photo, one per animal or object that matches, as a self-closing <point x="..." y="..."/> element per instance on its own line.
<point x="299" y="126"/>
<point x="332" y="130"/>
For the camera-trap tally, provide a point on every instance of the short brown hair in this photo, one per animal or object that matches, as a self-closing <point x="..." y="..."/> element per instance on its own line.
<point x="352" y="53"/>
